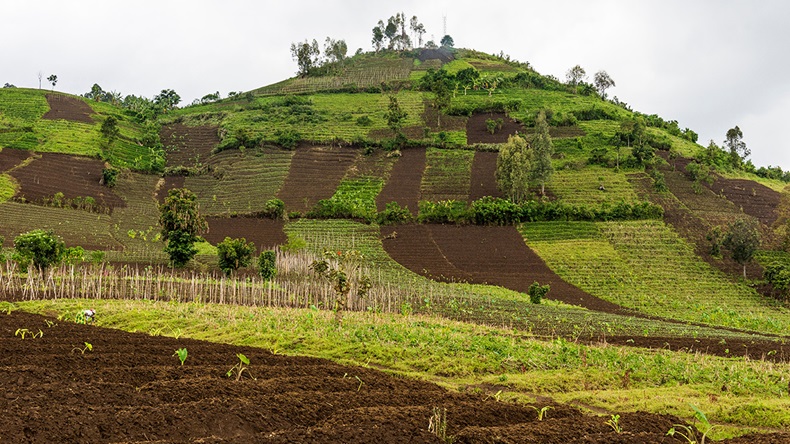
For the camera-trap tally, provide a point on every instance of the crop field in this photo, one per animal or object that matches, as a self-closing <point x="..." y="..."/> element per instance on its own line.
<point x="77" y="228"/>
<point x="447" y="174"/>
<point x="314" y="174"/>
<point x="646" y="266"/>
<point x="136" y="225"/>
<point x="582" y="187"/>
<point x="240" y="182"/>
<point x="8" y="187"/>
<point x="404" y="182"/>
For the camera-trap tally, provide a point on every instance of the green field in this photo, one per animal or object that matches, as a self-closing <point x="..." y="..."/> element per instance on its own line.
<point x="447" y="175"/>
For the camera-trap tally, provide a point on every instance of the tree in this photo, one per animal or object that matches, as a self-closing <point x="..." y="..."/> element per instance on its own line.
<point x="335" y="50"/>
<point x="53" y="79"/>
<point x="737" y="147"/>
<point x="267" y="265"/>
<point x="602" y="83"/>
<point x="109" y="129"/>
<point x="447" y="41"/>
<point x="395" y="116"/>
<point x="742" y="240"/>
<point x="575" y="75"/>
<point x="378" y="37"/>
<point x="467" y="78"/>
<point x="542" y="150"/>
<point x="167" y="99"/>
<point x="441" y="84"/>
<point x="38" y="247"/>
<point x="418" y="29"/>
<point x="512" y="168"/>
<point x="234" y="254"/>
<point x="181" y="224"/>
<point x="306" y="55"/>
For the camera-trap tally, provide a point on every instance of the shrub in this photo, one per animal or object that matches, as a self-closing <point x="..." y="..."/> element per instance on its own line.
<point x="287" y="138"/>
<point x="234" y="254"/>
<point x="109" y="176"/>
<point x="267" y="264"/>
<point x="39" y="247"/>
<point x="495" y="211"/>
<point x="394" y="214"/>
<point x="537" y="292"/>
<point x="443" y="212"/>
<point x="274" y="208"/>
<point x="364" y="121"/>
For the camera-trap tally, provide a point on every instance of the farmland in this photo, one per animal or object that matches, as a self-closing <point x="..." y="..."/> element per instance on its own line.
<point x="637" y="314"/>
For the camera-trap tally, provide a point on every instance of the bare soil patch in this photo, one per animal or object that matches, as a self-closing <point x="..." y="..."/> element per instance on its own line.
<point x="477" y="132"/>
<point x="188" y="145"/>
<point x="68" y="108"/>
<point x="73" y="176"/>
<point x="436" y="54"/>
<point x="403" y="185"/>
<point x="10" y="158"/>
<point x="169" y="183"/>
<point x="483" y="181"/>
<point x="755" y="199"/>
<point x="482" y="255"/>
<point x="131" y="388"/>
<point x="315" y="173"/>
<point x="264" y="233"/>
<point x="446" y="123"/>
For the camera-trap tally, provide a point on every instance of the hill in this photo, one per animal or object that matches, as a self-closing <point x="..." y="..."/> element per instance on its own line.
<point x="622" y="236"/>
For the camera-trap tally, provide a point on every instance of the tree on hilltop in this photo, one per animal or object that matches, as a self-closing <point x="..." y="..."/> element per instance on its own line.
<point x="602" y="82"/>
<point x="447" y="41"/>
<point x="306" y="54"/>
<point x="53" y="79"/>
<point x="737" y="147"/>
<point x="575" y="75"/>
<point x="167" y="99"/>
<point x="335" y="50"/>
<point x="418" y="29"/>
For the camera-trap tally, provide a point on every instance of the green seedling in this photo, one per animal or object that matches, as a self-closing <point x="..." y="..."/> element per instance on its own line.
<point x="88" y="347"/>
<point x="240" y="367"/>
<point x="49" y="323"/>
<point x="182" y="355"/>
<point x="542" y="412"/>
<point x="361" y="383"/>
<point x="687" y="432"/>
<point x="24" y="332"/>
<point x="614" y="423"/>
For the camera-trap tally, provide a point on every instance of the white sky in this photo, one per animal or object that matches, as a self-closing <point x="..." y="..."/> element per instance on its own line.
<point x="709" y="64"/>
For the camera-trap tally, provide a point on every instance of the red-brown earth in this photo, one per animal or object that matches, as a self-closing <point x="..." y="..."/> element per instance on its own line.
<point x="73" y="176"/>
<point x="68" y="108"/>
<point x="189" y="146"/>
<point x="264" y="233"/>
<point x="10" y="158"/>
<point x="483" y="178"/>
<point x="477" y="132"/>
<point x="403" y="185"/>
<point x="315" y="173"/>
<point x="131" y="388"/>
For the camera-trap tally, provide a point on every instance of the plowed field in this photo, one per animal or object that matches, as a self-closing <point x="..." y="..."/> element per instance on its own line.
<point x="477" y="132"/>
<point x="131" y="388"/>
<point x="483" y="182"/>
<point x="264" y="233"/>
<point x="404" y="182"/>
<point x="73" y="176"/>
<point x="315" y="174"/>
<point x="68" y="108"/>
<point x="188" y="145"/>
<point x="9" y="158"/>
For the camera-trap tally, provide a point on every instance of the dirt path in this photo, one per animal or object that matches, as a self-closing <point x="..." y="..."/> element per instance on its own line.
<point x="68" y="108"/>
<point x="131" y="388"/>
<point x="315" y="173"/>
<point x="404" y="182"/>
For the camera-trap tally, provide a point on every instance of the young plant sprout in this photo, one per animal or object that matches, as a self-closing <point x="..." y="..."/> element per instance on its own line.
<point x="182" y="354"/>
<point x="24" y="332"/>
<point x="240" y="367"/>
<point x="88" y="347"/>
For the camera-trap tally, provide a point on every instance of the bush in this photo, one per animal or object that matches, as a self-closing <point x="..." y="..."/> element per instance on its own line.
<point x="537" y="292"/>
<point x="287" y="138"/>
<point x="267" y="264"/>
<point x="234" y="254"/>
<point x="394" y="214"/>
<point x="273" y="208"/>
<point x="443" y="212"/>
<point x="364" y="121"/>
<point x="109" y="176"/>
<point x="39" y="247"/>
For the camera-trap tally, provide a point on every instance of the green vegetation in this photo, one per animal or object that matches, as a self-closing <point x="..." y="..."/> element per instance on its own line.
<point x="447" y="174"/>
<point x="234" y="254"/>
<point x="181" y="224"/>
<point x="39" y="248"/>
<point x="7" y="187"/>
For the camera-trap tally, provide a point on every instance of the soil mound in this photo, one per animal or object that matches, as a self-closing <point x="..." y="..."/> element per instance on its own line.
<point x="68" y="108"/>
<point x="442" y="54"/>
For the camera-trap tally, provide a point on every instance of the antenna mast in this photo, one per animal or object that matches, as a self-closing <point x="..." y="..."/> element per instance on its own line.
<point x="444" y="20"/>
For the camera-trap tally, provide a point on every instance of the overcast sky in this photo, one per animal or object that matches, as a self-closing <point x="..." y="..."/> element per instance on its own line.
<point x="710" y="65"/>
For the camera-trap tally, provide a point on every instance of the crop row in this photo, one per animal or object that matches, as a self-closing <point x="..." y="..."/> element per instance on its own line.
<point x="592" y="185"/>
<point x="646" y="266"/>
<point x="447" y="174"/>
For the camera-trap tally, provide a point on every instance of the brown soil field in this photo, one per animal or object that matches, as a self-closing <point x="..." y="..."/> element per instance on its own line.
<point x="73" y="176"/>
<point x="315" y="173"/>
<point x="10" y="158"/>
<point x="131" y="388"/>
<point x="476" y="131"/>
<point x="447" y="123"/>
<point x="403" y="185"/>
<point x="264" y="233"/>
<point x="188" y="145"/>
<point x="68" y="108"/>
<point x="483" y="255"/>
<point x="563" y="132"/>
<point x="170" y="182"/>
<point x="483" y="181"/>
<point x="755" y="199"/>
